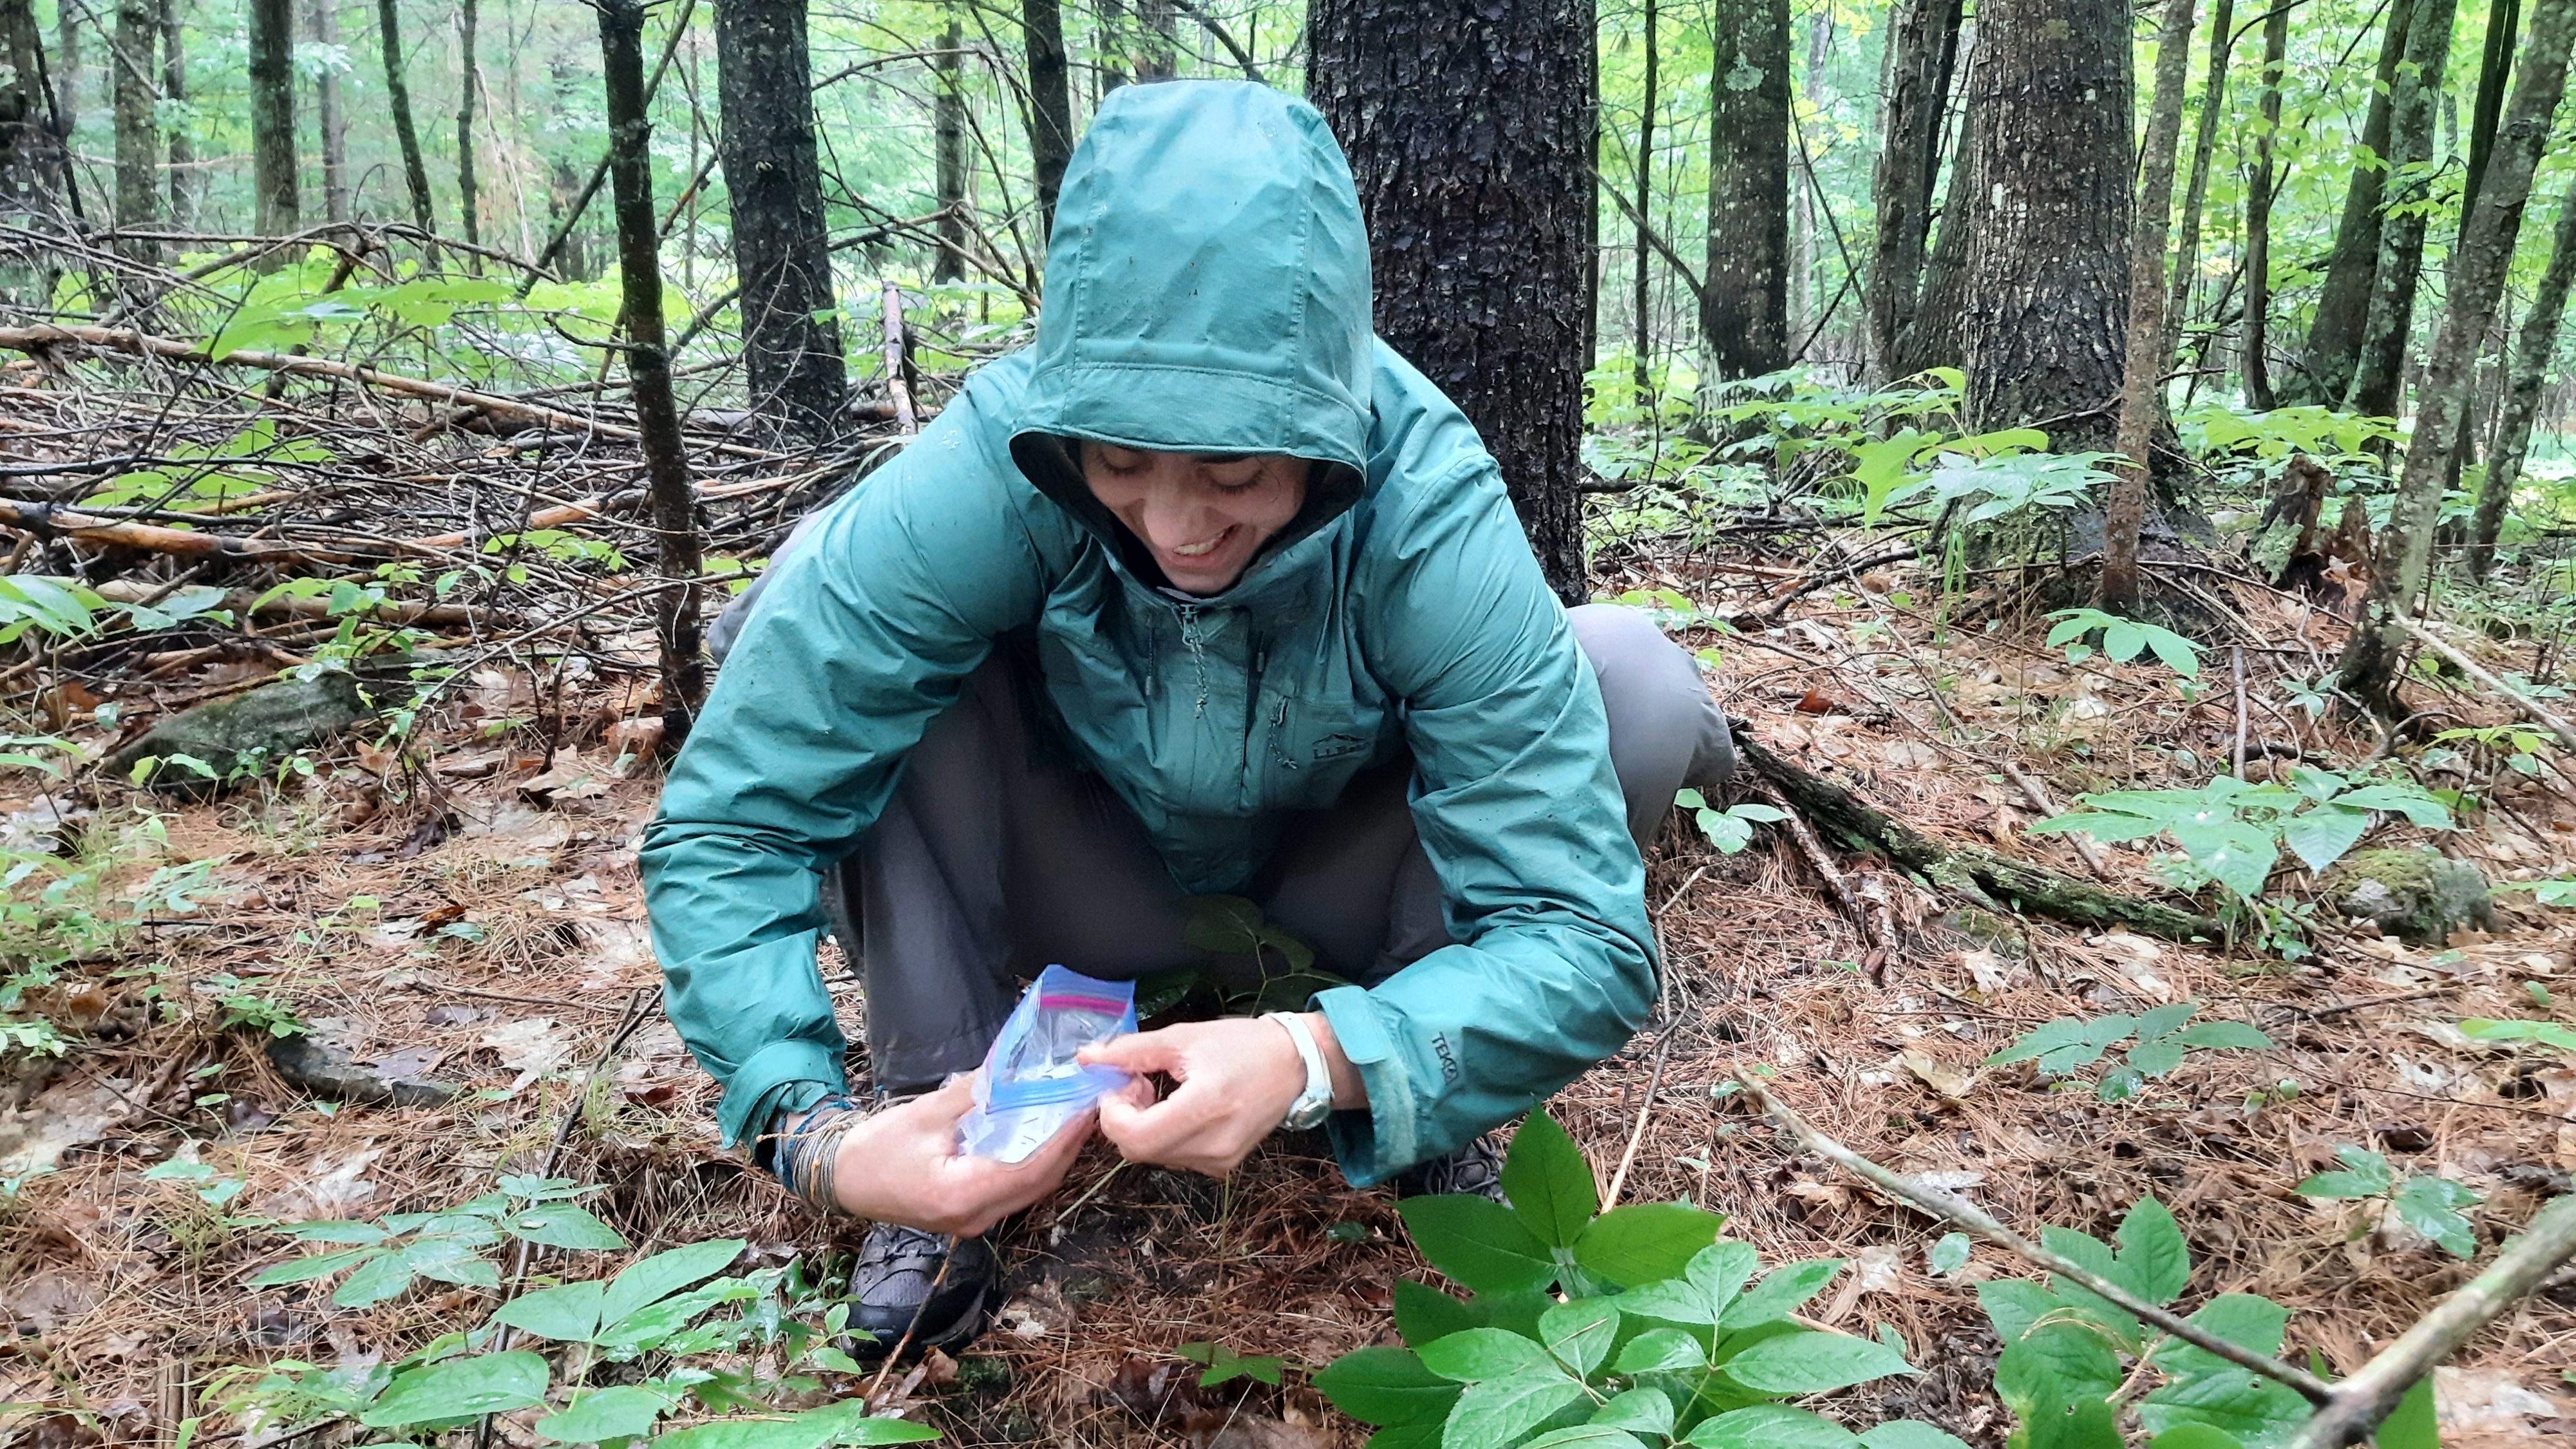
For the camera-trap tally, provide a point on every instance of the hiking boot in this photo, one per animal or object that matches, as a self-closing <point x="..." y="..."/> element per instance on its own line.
<point x="891" y="1292"/>
<point x="1476" y="1167"/>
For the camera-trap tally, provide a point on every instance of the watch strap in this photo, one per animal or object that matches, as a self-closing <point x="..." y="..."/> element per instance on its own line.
<point x="1319" y="1079"/>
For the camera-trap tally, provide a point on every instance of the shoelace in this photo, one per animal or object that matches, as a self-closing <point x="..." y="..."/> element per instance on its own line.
<point x="803" y="1157"/>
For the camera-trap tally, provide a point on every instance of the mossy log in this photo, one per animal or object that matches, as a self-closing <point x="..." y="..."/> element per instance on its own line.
<point x="1995" y="881"/>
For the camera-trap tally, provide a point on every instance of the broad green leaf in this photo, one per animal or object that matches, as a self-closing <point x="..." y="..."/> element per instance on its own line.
<point x="2418" y="807"/>
<point x="1769" y="1426"/>
<point x="461" y="1388"/>
<point x="1423" y="1313"/>
<point x="2547" y="1033"/>
<point x="1646" y="1410"/>
<point x="1782" y="1293"/>
<point x="1500" y="1411"/>
<point x="2197" y="1436"/>
<point x="1950" y="1254"/>
<point x="1662" y="1350"/>
<point x="1580" y="1333"/>
<point x="1518" y="1312"/>
<point x="2057" y="1363"/>
<point x="2202" y="1388"/>
<point x="1645" y="1241"/>
<point x="1386" y="1386"/>
<point x="1482" y="1353"/>
<point x="648" y="1326"/>
<point x="1715" y="1276"/>
<point x="2224" y="1036"/>
<point x="1425" y="1435"/>
<point x="2319" y="837"/>
<point x="1809" y="1362"/>
<point x="381" y="1277"/>
<point x="2412" y="1426"/>
<point x="1548" y="1182"/>
<point x="846" y="1422"/>
<point x="561" y="1225"/>
<point x="305" y="1270"/>
<point x="447" y="1260"/>
<point x="2429" y="1206"/>
<point x="569" y="1314"/>
<point x="665" y="1273"/>
<point x="613" y="1413"/>
<point x="2153" y="1262"/>
<point x="2091" y="1254"/>
<point x="335" y="1230"/>
<point x="1585" y="1436"/>
<point x="1478" y="1243"/>
<point x="1910" y="1434"/>
<point x="2370" y="1175"/>
<point x="2155" y="1058"/>
<point x="2164" y="1021"/>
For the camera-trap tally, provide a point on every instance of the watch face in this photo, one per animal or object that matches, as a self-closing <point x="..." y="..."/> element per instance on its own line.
<point x="1309" y="1113"/>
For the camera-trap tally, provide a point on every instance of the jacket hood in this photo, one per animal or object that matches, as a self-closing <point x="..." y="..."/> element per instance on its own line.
<point x="1207" y="290"/>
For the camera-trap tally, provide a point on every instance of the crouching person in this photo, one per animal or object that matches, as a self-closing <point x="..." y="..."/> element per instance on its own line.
<point x="1207" y="591"/>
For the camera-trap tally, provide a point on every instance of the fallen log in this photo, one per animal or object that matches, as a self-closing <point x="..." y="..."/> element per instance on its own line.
<point x="243" y="601"/>
<point x="1995" y="881"/>
<point x="46" y="521"/>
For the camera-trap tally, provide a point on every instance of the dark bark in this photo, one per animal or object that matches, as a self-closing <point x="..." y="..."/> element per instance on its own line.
<point x="398" y="99"/>
<point x="2333" y="350"/>
<point x="468" y="204"/>
<point x="948" y="137"/>
<point x="1158" y="44"/>
<point x="272" y="115"/>
<point x="2048" y="276"/>
<point x="323" y="18"/>
<point x="2204" y="146"/>
<point x="138" y="139"/>
<point x="1744" y="303"/>
<point x="1470" y="133"/>
<point x="1923" y="39"/>
<point x="1643" y="302"/>
<point x="1109" y="42"/>
<point x="648" y="368"/>
<point x="2476" y="281"/>
<point x="2495" y="66"/>
<point x="1937" y="337"/>
<point x="773" y="174"/>
<point x="2379" y="377"/>
<point x="66" y="71"/>
<point x="1050" y="103"/>
<point x="180" y="145"/>
<point x="2142" y="373"/>
<point x="2531" y="355"/>
<point x="2259" y="192"/>
<point x="31" y="155"/>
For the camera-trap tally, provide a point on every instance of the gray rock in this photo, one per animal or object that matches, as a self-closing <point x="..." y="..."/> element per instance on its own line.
<point x="258" y="728"/>
<point x="2418" y="895"/>
<point x="316" y="1066"/>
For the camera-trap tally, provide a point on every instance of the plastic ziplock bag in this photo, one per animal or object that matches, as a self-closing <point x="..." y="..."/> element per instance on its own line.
<point x="1031" y="1085"/>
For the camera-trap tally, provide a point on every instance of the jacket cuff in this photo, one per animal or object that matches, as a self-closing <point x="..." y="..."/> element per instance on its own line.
<point x="1375" y="1144"/>
<point x="782" y="1076"/>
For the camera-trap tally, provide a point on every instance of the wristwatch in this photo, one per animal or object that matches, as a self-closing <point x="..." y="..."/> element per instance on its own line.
<point x="1315" y="1103"/>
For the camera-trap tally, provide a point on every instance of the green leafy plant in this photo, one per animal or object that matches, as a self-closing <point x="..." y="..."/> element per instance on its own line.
<point x="2547" y="1033"/>
<point x="2428" y="1204"/>
<point x="2517" y="746"/>
<point x="2073" y="1363"/>
<point x="2122" y="639"/>
<point x="252" y="1010"/>
<point x="1232" y="925"/>
<point x="2164" y="1039"/>
<point x="385" y="1259"/>
<point x="2233" y="830"/>
<point x="1650" y="1336"/>
<point x="1730" y="829"/>
<point x="1225" y="1365"/>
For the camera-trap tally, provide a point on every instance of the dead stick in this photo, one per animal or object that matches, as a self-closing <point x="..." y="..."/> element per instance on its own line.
<point x="1645" y="1111"/>
<point x="2037" y="795"/>
<point x="1953" y="1208"/>
<point x="2361" y="1402"/>
<point x="1823" y="864"/>
<point x="896" y="388"/>
<point x="2531" y="709"/>
<point x="2236" y="657"/>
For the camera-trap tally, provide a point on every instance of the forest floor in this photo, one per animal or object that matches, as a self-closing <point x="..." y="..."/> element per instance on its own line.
<point x="495" y="942"/>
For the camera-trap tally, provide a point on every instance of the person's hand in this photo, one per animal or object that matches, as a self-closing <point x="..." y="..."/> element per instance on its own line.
<point x="1238" y="1079"/>
<point x="901" y="1165"/>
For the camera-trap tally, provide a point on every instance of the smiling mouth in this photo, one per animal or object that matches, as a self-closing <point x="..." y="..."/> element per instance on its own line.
<point x="1202" y="550"/>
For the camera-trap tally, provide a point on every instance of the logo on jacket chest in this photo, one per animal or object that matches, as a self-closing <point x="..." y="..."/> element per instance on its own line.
<point x="1333" y="747"/>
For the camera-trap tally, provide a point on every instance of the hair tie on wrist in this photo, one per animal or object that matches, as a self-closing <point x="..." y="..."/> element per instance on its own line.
<point x="803" y="1157"/>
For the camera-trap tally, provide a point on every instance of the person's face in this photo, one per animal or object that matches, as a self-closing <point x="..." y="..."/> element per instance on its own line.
<point x="1203" y="515"/>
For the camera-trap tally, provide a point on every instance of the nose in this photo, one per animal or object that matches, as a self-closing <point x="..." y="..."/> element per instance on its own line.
<point x="1175" y="515"/>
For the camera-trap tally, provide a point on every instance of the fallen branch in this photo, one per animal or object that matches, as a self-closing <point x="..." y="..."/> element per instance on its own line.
<point x="46" y="522"/>
<point x="2361" y="1402"/>
<point x="1981" y="875"/>
<point x="1950" y="1207"/>
<point x="1822" y="863"/>
<point x="2530" y="708"/>
<point x="130" y="591"/>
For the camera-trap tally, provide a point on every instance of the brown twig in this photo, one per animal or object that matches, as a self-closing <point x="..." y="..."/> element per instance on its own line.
<point x="2530" y="708"/>
<point x="1645" y="1112"/>
<point x="896" y="388"/>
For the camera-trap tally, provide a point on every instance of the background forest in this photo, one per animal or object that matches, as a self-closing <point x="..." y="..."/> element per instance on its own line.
<point x="2112" y="463"/>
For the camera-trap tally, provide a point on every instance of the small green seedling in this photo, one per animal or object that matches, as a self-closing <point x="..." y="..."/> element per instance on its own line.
<point x="2122" y="639"/>
<point x="2428" y="1204"/>
<point x="1730" y="829"/>
<point x="2163" y="1041"/>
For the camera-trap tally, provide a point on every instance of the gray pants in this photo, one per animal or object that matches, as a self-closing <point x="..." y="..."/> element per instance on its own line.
<point x="997" y="856"/>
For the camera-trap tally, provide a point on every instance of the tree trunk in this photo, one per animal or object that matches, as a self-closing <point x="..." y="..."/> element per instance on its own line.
<point x="791" y="339"/>
<point x="1159" y="43"/>
<point x="468" y="205"/>
<point x="138" y="139"/>
<point x="2379" y="378"/>
<point x="1109" y="41"/>
<point x="2047" y="297"/>
<point x="398" y="98"/>
<point x="1923" y="39"/>
<point x="180" y="146"/>
<point x="66" y="72"/>
<point x="2495" y="66"/>
<point x="948" y="132"/>
<point x="1803" y="323"/>
<point x="1050" y="103"/>
<point x="2333" y="350"/>
<point x="324" y="21"/>
<point x="2204" y="144"/>
<point x="272" y="115"/>
<point x="2476" y="280"/>
<point x="1743" y="309"/>
<point x="1643" y="302"/>
<point x="1470" y="132"/>
<point x="2258" y="218"/>
<point x="648" y="368"/>
<point x="1937" y="335"/>
<point x="2531" y="355"/>
<point x="31" y="155"/>
<point x="2141" y="378"/>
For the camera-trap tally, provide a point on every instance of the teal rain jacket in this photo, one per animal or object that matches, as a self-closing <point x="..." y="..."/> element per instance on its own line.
<point x="1207" y="290"/>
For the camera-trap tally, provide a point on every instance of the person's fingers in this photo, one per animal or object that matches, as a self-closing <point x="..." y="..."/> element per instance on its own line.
<point x="1138" y="1051"/>
<point x="1164" y="1132"/>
